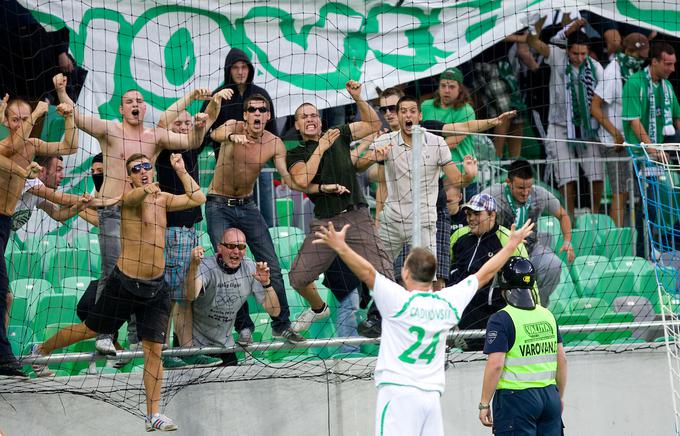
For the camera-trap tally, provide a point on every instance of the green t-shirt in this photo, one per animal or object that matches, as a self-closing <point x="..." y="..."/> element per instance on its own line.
<point x="636" y="106"/>
<point x="452" y="115"/>
<point x="335" y="167"/>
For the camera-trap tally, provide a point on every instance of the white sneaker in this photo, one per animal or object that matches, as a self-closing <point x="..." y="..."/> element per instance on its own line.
<point x="245" y="337"/>
<point x="104" y="345"/>
<point x="40" y="370"/>
<point x="124" y="361"/>
<point x="158" y="421"/>
<point x="306" y="318"/>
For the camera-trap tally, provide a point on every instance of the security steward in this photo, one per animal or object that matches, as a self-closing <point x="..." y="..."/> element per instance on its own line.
<point x="526" y="370"/>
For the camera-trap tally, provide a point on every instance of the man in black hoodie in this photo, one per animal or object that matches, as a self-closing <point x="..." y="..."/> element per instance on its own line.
<point x="238" y="76"/>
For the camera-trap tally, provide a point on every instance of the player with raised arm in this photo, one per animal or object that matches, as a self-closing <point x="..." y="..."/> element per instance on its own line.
<point x="409" y="373"/>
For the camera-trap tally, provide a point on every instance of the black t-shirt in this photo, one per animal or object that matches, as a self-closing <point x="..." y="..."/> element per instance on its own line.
<point x="169" y="182"/>
<point x="335" y="167"/>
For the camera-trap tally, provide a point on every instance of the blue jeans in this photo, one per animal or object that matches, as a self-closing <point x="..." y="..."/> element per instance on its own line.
<point x="249" y="220"/>
<point x="6" y="355"/>
<point x="264" y="195"/>
<point x="346" y="321"/>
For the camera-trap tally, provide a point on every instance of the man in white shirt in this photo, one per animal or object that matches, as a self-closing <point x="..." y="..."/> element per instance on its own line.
<point x="415" y="321"/>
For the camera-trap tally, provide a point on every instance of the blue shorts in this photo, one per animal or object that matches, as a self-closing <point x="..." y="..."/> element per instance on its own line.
<point x="527" y="412"/>
<point x="179" y="241"/>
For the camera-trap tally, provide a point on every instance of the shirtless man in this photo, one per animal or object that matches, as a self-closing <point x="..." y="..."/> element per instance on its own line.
<point x="16" y="161"/>
<point x="245" y="149"/>
<point x="118" y="141"/>
<point x="136" y="284"/>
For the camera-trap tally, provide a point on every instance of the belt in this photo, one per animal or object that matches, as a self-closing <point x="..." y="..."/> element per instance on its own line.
<point x="230" y="201"/>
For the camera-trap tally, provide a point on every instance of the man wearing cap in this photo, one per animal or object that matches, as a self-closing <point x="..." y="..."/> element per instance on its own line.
<point x="518" y="199"/>
<point x="526" y="372"/>
<point x="607" y="107"/>
<point x="471" y="247"/>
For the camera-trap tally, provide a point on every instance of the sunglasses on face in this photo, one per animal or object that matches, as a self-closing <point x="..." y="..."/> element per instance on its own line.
<point x="231" y="246"/>
<point x="392" y="108"/>
<point x="141" y="166"/>
<point x="261" y="109"/>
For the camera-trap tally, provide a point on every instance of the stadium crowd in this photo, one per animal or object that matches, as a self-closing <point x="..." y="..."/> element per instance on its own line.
<point x="607" y="86"/>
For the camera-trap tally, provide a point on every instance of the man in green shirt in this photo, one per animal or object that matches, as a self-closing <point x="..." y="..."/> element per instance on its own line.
<point x="650" y="106"/>
<point x="324" y="166"/>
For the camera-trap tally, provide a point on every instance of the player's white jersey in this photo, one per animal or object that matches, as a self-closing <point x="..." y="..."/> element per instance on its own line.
<point x="414" y="329"/>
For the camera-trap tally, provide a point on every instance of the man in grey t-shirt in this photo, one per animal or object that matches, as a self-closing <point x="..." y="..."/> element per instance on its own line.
<point x="518" y="200"/>
<point x="220" y="284"/>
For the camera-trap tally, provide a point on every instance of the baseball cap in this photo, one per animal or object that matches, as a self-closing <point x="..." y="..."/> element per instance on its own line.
<point x="452" y="74"/>
<point x="481" y="202"/>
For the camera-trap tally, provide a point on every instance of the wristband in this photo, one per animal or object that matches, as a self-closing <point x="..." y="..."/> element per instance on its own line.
<point x="268" y="285"/>
<point x="229" y="137"/>
<point x="483" y="406"/>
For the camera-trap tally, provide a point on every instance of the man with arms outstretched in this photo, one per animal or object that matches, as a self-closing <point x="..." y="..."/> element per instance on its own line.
<point x="415" y="321"/>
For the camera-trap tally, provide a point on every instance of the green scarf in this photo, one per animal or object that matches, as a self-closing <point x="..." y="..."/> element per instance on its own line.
<point x="628" y="65"/>
<point x="521" y="210"/>
<point x="580" y="91"/>
<point x="666" y="111"/>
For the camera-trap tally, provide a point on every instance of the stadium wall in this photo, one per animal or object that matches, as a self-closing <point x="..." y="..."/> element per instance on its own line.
<point x="608" y="394"/>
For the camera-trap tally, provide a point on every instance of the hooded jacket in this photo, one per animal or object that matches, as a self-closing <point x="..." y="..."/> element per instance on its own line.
<point x="233" y="109"/>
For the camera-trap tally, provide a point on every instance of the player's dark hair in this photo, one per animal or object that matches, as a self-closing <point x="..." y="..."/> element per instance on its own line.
<point x="45" y="161"/>
<point x="659" y="48"/>
<point x="256" y="97"/>
<point x="98" y="158"/>
<point x="406" y="98"/>
<point x="392" y="91"/>
<point x="578" y="38"/>
<point x="422" y="265"/>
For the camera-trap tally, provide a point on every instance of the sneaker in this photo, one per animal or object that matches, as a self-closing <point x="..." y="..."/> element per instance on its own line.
<point x="202" y="361"/>
<point x="158" y="421"/>
<point x="370" y="328"/>
<point x="104" y="345"/>
<point x="306" y="318"/>
<point x="12" y="369"/>
<point x="124" y="361"/>
<point x="288" y="334"/>
<point x="172" y="362"/>
<point x="40" y="370"/>
<point x="245" y="337"/>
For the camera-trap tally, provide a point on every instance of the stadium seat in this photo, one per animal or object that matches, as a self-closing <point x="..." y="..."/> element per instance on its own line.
<point x="586" y="271"/>
<point x="560" y="299"/>
<point x="54" y="309"/>
<point x="287" y="242"/>
<point x="204" y="240"/>
<point x="631" y="275"/>
<point x="27" y="293"/>
<point x="64" y="263"/>
<point x="594" y="221"/>
<point x="24" y="264"/>
<point x="551" y="226"/>
<point x="284" y="211"/>
<point x="585" y="242"/>
<point x="617" y="242"/>
<point x="642" y="311"/>
<point x="87" y="241"/>
<point x="75" y="284"/>
<point x="20" y="338"/>
<point x="45" y="243"/>
<point x="607" y="337"/>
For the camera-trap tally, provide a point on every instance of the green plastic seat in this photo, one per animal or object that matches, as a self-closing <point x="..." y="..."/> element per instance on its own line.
<point x="617" y="242"/>
<point x="586" y="271"/>
<point x="54" y="309"/>
<point x="594" y="221"/>
<point x="284" y="211"/>
<point x="45" y="243"/>
<point x="26" y="293"/>
<point x="204" y="240"/>
<point x="287" y="243"/>
<point x="585" y="242"/>
<point x="20" y="338"/>
<point x="75" y="284"/>
<point x="607" y="337"/>
<point x="87" y="241"/>
<point x="551" y="225"/>
<point x="66" y="262"/>
<point x="24" y="264"/>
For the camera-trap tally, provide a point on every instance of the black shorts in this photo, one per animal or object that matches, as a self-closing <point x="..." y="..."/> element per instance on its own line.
<point x="117" y="303"/>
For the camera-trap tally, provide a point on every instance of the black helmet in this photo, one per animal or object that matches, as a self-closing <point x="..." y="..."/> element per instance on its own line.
<point x="518" y="278"/>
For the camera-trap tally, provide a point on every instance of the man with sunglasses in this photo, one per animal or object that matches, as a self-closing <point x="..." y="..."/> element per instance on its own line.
<point x="219" y="285"/>
<point x="324" y="166"/>
<point x="246" y="148"/>
<point x="118" y="141"/>
<point x="136" y="284"/>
